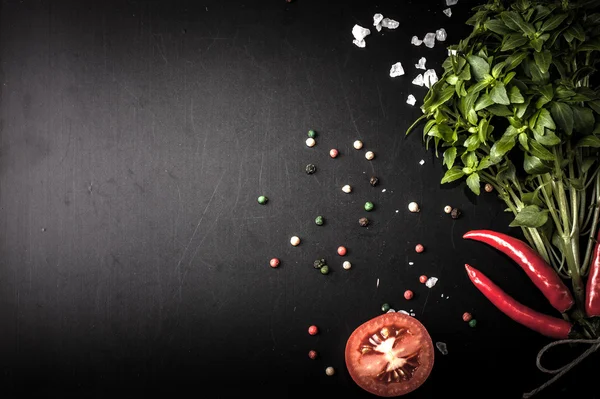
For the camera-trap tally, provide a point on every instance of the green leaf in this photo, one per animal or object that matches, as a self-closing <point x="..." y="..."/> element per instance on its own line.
<point x="563" y="116"/>
<point x="532" y="199"/>
<point x="523" y="140"/>
<point x="538" y="150"/>
<point x="513" y="41"/>
<point x="530" y="216"/>
<point x="469" y="159"/>
<point x="543" y="59"/>
<point x="465" y="74"/>
<point x="543" y="128"/>
<point x="472" y="142"/>
<point x="514" y="95"/>
<point x="553" y="22"/>
<point x="483" y="130"/>
<point x="583" y="119"/>
<point x="507" y="173"/>
<point x="497" y="69"/>
<point x="504" y="145"/>
<point x="537" y="44"/>
<point x="587" y="164"/>
<point x="438" y="98"/>
<point x="508" y="77"/>
<point x="514" y="60"/>
<point x="590" y="45"/>
<point x="515" y="22"/>
<point x="483" y="101"/>
<point x="499" y="95"/>
<point x="449" y="157"/>
<point x="576" y="31"/>
<point x="484" y="163"/>
<point x="473" y="183"/>
<point x="452" y="174"/>
<point x="589" y="141"/>
<point x="497" y="26"/>
<point x="541" y="12"/>
<point x="499" y="110"/>
<point x="537" y="75"/>
<point x="546" y="95"/>
<point x="535" y="166"/>
<point x="595" y="105"/>
<point x="479" y="67"/>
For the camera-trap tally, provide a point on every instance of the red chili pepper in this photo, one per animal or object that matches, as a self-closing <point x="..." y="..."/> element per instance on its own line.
<point x="592" y="290"/>
<point x="549" y="326"/>
<point x="538" y="270"/>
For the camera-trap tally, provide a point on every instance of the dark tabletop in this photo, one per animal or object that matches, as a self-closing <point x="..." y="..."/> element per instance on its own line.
<point x="135" y="139"/>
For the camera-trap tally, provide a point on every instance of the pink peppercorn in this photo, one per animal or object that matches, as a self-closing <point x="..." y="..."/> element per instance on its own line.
<point x="467" y="316"/>
<point x="274" y="262"/>
<point x="312" y="354"/>
<point x="423" y="279"/>
<point x="333" y="153"/>
<point x="408" y="294"/>
<point x="341" y="251"/>
<point x="419" y="248"/>
<point x="313" y="330"/>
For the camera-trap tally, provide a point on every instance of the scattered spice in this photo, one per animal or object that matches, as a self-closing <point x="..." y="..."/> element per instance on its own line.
<point x="330" y="371"/>
<point x="325" y="269"/>
<point x="467" y="317"/>
<point x="274" y="262"/>
<point x="488" y="188"/>
<point x="447" y="209"/>
<point x="312" y="134"/>
<point x="419" y="248"/>
<point x="310" y="142"/>
<point x="295" y="241"/>
<point x="373" y="181"/>
<point x="342" y="250"/>
<point x="310" y="169"/>
<point x="369" y="155"/>
<point x="369" y="206"/>
<point x="385" y="307"/>
<point x="413" y="207"/>
<point x="472" y="323"/>
<point x="408" y="295"/>
<point x="442" y="347"/>
<point x="312" y="354"/>
<point x="347" y="189"/>
<point x="333" y="153"/>
<point x="431" y="281"/>
<point x="358" y="144"/>
<point x="319" y="263"/>
<point x="262" y="200"/>
<point x="364" y="222"/>
<point x="455" y="213"/>
<point x="319" y="220"/>
<point x="347" y="265"/>
<point x="423" y="279"/>
<point x="313" y="330"/>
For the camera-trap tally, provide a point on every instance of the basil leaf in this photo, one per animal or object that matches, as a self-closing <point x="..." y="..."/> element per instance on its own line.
<point x="473" y="183"/>
<point x="484" y="163"/>
<point x="479" y="67"/>
<point x="543" y="59"/>
<point x="497" y="26"/>
<point x="589" y="141"/>
<point x="449" y="157"/>
<point x="504" y="145"/>
<point x="563" y="116"/>
<point x="530" y="216"/>
<point x="472" y="142"/>
<point x="523" y="140"/>
<point x="499" y="110"/>
<point x="553" y="22"/>
<point x="514" y="95"/>
<point x="514" y="21"/>
<point x="483" y="101"/>
<point x="583" y="119"/>
<point x="499" y="95"/>
<point x="513" y="41"/>
<point x="538" y="150"/>
<point x="577" y="32"/>
<point x="514" y="60"/>
<point x="452" y="174"/>
<point x="535" y="166"/>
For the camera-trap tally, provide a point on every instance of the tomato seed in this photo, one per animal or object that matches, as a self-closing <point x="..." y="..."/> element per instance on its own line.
<point x="408" y="294"/>
<point x="423" y="279"/>
<point x="467" y="316"/>
<point x="313" y="330"/>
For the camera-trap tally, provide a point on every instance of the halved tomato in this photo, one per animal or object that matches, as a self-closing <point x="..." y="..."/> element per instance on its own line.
<point x="390" y="355"/>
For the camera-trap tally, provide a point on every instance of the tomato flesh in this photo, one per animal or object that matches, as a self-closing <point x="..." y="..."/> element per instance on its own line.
<point x="390" y="355"/>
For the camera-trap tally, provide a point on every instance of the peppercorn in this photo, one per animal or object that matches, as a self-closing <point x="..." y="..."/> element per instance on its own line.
<point x="319" y="220"/>
<point x="347" y="189"/>
<point x="312" y="134"/>
<point x="467" y="316"/>
<point x="312" y="354"/>
<point x="369" y="206"/>
<point x="369" y="155"/>
<point x="385" y="307"/>
<point x="419" y="248"/>
<point x="373" y="181"/>
<point x="341" y="251"/>
<point x="347" y="265"/>
<point x="472" y="323"/>
<point x="408" y="294"/>
<point x="455" y="213"/>
<point x="447" y="209"/>
<point x="325" y="269"/>
<point x="310" y="169"/>
<point x="313" y="330"/>
<point x="295" y="241"/>
<point x="423" y="279"/>
<point x="413" y="207"/>
<point x="330" y="371"/>
<point x="358" y="144"/>
<point x="310" y="142"/>
<point x="364" y="222"/>
<point x="262" y="200"/>
<point x="319" y="263"/>
<point x="274" y="262"/>
<point x="333" y="153"/>
<point x="488" y="188"/>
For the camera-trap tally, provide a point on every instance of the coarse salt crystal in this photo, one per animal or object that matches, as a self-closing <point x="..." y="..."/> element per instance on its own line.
<point x="431" y="281"/>
<point x="411" y="100"/>
<point x="418" y="81"/>
<point x="421" y="162"/>
<point x="441" y="35"/>
<point x="451" y="2"/>
<point x="384" y="190"/>
<point x="411" y="263"/>
<point x="442" y="347"/>
<point x="416" y="41"/>
<point x="430" y="78"/>
<point x="421" y="63"/>
<point x="389" y="23"/>
<point x="396" y="70"/>
<point x="377" y="19"/>
<point x="448" y="12"/>
<point x="403" y="312"/>
<point x="359" y="34"/>
<point x="377" y="282"/>
<point x="429" y="39"/>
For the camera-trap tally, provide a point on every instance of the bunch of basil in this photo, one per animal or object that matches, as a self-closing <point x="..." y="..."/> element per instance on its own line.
<point x="516" y="107"/>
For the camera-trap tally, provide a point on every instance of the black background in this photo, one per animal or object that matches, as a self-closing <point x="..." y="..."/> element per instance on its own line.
<point x="135" y="139"/>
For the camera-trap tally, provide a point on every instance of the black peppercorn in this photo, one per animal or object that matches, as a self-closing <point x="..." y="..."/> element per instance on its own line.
<point x="455" y="213"/>
<point x="363" y="222"/>
<point x="310" y="169"/>
<point x="319" y="263"/>
<point x="374" y="180"/>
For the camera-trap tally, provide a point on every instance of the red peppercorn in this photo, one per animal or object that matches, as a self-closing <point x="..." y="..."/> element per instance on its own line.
<point x="467" y="316"/>
<point x="419" y="248"/>
<point x="423" y="279"/>
<point x="312" y="354"/>
<point x="313" y="330"/>
<point x="274" y="262"/>
<point x="408" y="294"/>
<point x="333" y="153"/>
<point x="341" y="251"/>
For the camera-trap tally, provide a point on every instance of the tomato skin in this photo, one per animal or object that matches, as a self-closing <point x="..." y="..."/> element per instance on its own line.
<point x="374" y="355"/>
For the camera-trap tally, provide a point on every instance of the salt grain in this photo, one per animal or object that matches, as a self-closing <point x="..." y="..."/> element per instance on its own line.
<point x="421" y="63"/>
<point x="359" y="34"/>
<point x="377" y="283"/>
<point x="429" y="40"/>
<point x="411" y="263"/>
<point x="418" y="81"/>
<point x="396" y="70"/>
<point x="430" y="78"/>
<point x="442" y="347"/>
<point x="431" y="281"/>
<point x="403" y="312"/>
<point x="441" y="35"/>
<point x="384" y="190"/>
<point x="377" y="21"/>
<point x="451" y="2"/>
<point x="448" y="12"/>
<point x="416" y="41"/>
<point x="411" y="100"/>
<point x="389" y="23"/>
<point x="421" y="162"/>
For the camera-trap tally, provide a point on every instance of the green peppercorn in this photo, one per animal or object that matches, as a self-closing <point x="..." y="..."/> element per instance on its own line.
<point x="312" y="134"/>
<point x="310" y="169"/>
<point x="369" y="206"/>
<point x="319" y="221"/>
<point x="325" y="269"/>
<point x="472" y="323"/>
<point x="262" y="200"/>
<point x="385" y="307"/>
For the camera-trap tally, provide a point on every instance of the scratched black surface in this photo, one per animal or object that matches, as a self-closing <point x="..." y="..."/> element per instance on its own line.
<point x="135" y="139"/>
